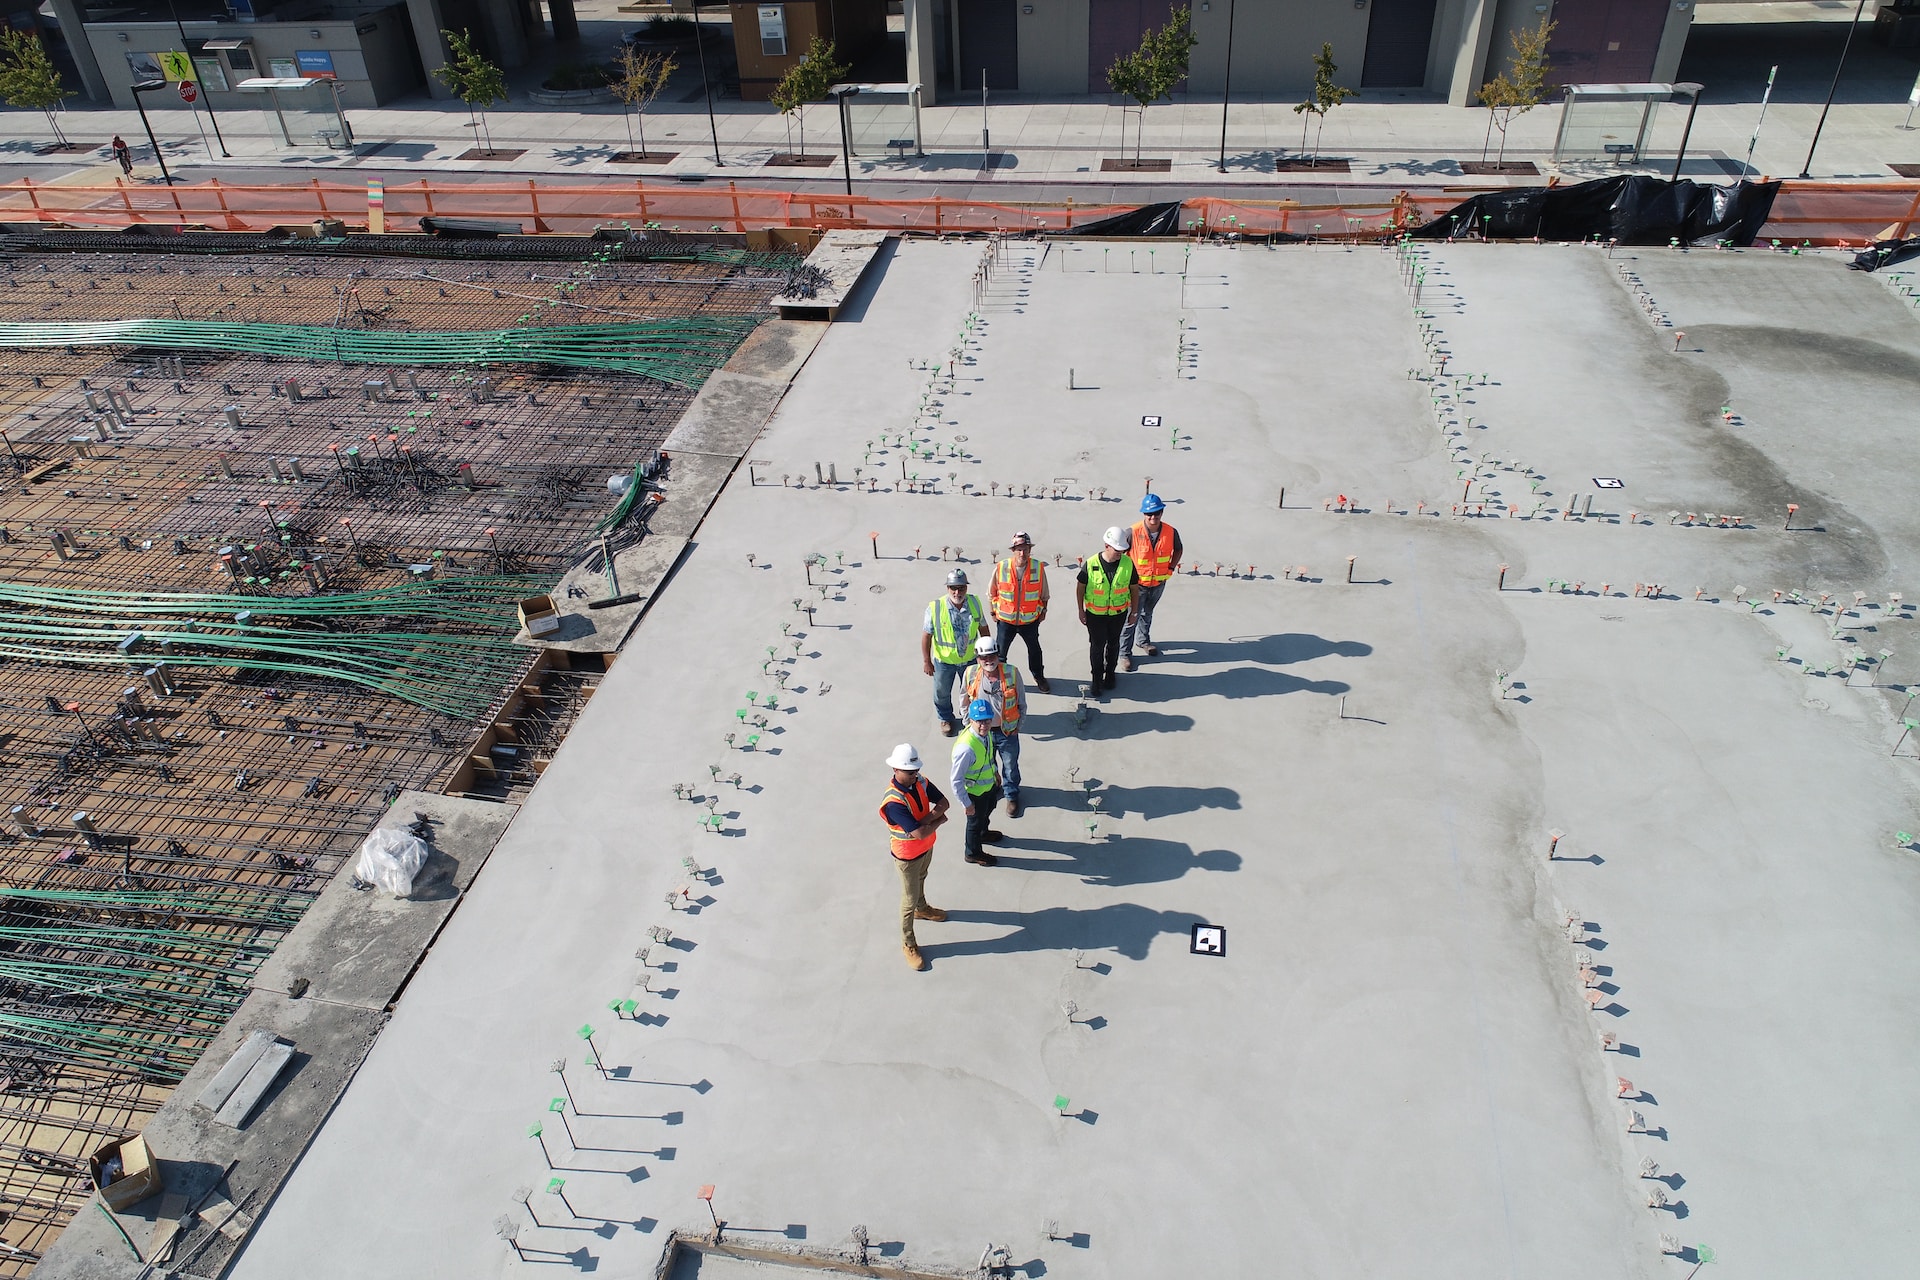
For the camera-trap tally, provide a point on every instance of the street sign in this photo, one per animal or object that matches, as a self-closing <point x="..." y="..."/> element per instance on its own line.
<point x="188" y="92"/>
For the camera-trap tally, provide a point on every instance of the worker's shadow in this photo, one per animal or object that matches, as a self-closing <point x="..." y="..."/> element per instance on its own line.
<point x="1234" y="682"/>
<point x="1052" y="726"/>
<point x="1117" y="863"/>
<point x="1146" y="802"/>
<point x="1277" y="650"/>
<point x="1125" y="927"/>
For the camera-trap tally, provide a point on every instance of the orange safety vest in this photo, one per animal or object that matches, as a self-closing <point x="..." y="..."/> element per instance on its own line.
<point x="1152" y="557"/>
<point x="1009" y="694"/>
<point x="907" y="847"/>
<point x="1018" y="599"/>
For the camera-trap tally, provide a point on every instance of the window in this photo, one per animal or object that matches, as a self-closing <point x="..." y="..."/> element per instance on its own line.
<point x="773" y="31"/>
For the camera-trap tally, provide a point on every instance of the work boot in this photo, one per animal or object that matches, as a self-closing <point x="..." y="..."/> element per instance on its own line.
<point x="1153" y="651"/>
<point x="914" y="959"/>
<point x="948" y="728"/>
<point x="1126" y="663"/>
<point x="1040" y="683"/>
<point x="1013" y="808"/>
<point x="993" y="837"/>
<point x="983" y="860"/>
<point x="934" y="914"/>
<point x="1109" y="682"/>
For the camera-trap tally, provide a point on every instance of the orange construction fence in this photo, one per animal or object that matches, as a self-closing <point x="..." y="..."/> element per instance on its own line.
<point x="1824" y="213"/>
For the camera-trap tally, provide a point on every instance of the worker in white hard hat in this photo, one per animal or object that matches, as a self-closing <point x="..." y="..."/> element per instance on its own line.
<point x="953" y="623"/>
<point x="998" y="681"/>
<point x="913" y="810"/>
<point x="1108" y="593"/>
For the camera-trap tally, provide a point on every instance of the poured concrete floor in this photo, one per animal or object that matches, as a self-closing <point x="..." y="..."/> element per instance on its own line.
<point x="1395" y="1071"/>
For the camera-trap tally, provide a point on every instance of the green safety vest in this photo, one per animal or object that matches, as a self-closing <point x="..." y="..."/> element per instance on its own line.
<point x="956" y="651"/>
<point x="980" y="775"/>
<point x="1108" y="595"/>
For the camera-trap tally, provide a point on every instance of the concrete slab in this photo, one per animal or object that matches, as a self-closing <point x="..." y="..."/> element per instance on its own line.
<point x="843" y="257"/>
<point x="358" y="946"/>
<point x="1396" y="1070"/>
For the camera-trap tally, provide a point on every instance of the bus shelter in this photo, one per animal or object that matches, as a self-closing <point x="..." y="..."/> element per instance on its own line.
<point x="307" y="111"/>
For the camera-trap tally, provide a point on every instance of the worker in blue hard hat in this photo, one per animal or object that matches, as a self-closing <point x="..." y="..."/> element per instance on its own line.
<point x="1155" y="553"/>
<point x="976" y="782"/>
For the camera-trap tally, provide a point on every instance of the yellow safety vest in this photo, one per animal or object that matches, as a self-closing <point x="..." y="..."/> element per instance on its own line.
<point x="1109" y="593"/>
<point x="980" y="775"/>
<point x="956" y="651"/>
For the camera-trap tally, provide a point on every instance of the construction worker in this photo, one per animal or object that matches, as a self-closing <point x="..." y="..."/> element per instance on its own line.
<point x="1018" y="599"/>
<point x="954" y="621"/>
<point x="913" y="810"/>
<point x="999" y="683"/>
<point x="1107" y="590"/>
<point x="1155" y="551"/>
<point x="975" y="782"/>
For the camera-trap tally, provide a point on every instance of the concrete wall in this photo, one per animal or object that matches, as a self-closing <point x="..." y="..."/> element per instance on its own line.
<point x="1673" y="43"/>
<point x="1274" y="42"/>
<point x="372" y="66"/>
<point x="1053" y="48"/>
<point x="1507" y="17"/>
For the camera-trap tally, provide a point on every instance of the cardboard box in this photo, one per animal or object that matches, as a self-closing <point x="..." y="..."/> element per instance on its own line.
<point x="139" y="1172"/>
<point x="538" y="615"/>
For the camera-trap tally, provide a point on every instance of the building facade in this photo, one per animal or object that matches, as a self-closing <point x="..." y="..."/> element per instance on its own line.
<point x="1438" y="48"/>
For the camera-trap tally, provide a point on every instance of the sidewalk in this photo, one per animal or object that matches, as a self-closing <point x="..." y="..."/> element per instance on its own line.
<point x="1389" y="144"/>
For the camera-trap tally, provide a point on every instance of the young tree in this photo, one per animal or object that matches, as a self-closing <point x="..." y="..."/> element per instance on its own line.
<point x="473" y="79"/>
<point x="1150" y="72"/>
<point x="808" y="80"/>
<point x="1326" y="96"/>
<point x="641" y="79"/>
<point x="1519" y="88"/>
<point x="28" y="77"/>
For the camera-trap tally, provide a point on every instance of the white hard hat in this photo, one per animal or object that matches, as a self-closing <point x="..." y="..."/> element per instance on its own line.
<point x="986" y="647"/>
<point x="904" y="757"/>
<point x="1117" y="538"/>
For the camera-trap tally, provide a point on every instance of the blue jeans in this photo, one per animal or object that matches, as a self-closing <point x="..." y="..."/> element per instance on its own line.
<point x="944" y="675"/>
<point x="1149" y="597"/>
<point x="1007" y="747"/>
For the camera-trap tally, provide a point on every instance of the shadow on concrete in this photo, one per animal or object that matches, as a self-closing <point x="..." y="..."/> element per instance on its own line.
<point x="854" y="309"/>
<point x="1235" y="682"/>
<point x="1276" y="650"/>
<point x="1114" y="864"/>
<point x="1125" y="927"/>
<point x="1147" y="802"/>
<point x="1102" y="723"/>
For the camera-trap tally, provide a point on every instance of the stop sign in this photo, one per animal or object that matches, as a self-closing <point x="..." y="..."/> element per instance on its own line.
<point x="187" y="91"/>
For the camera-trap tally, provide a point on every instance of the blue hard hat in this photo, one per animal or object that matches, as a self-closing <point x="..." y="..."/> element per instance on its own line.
<point x="1151" y="505"/>
<point x="980" y="709"/>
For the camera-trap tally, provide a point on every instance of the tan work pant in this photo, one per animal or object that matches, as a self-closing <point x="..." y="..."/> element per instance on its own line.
<point x="913" y="893"/>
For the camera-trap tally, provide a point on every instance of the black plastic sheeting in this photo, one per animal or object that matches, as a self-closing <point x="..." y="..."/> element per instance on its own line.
<point x="1147" y="220"/>
<point x="1630" y="208"/>
<point x="1884" y="254"/>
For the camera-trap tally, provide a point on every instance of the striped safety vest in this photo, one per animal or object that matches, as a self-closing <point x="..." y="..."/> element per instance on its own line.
<point x="1108" y="594"/>
<point x="1153" y="557"/>
<point x="956" y="651"/>
<point x="1009" y="693"/>
<point x="1017" y="595"/>
<point x="906" y="845"/>
<point x="980" y="776"/>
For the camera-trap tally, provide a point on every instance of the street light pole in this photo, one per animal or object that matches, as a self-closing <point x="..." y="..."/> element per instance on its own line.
<point x="147" y="124"/>
<point x="1226" y="94"/>
<point x="700" y="45"/>
<point x="844" y="92"/>
<point x="1806" y="170"/>
<point x="1693" y="105"/>
<point x="203" y="84"/>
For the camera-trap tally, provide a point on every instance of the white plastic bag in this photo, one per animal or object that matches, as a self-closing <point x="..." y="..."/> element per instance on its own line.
<point x="390" y="860"/>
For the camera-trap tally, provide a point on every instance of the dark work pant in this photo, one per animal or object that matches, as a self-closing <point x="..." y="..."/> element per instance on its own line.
<point x="1005" y="631"/>
<point x="981" y="819"/>
<point x="1103" y="645"/>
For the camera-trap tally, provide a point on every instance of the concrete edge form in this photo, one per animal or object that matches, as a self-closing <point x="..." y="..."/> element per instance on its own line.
<point x="843" y="256"/>
<point x="355" y="949"/>
<point x="712" y="437"/>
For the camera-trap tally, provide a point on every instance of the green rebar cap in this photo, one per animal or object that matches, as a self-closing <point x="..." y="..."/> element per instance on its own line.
<point x="586" y="1031"/>
<point x="554" y="1185"/>
<point x="1060" y="1102"/>
<point x="534" y="1130"/>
